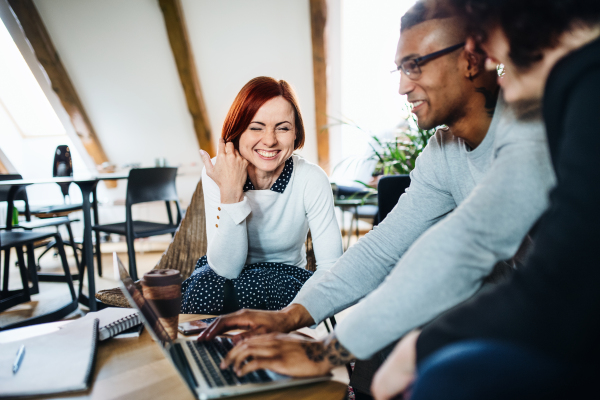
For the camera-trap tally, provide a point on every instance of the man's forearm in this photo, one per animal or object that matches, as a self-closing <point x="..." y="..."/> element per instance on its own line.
<point x="330" y="351"/>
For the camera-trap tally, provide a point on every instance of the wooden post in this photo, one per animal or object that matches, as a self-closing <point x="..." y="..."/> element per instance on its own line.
<point x="3" y="169"/>
<point x="184" y="58"/>
<point x="46" y="53"/>
<point x="318" y="21"/>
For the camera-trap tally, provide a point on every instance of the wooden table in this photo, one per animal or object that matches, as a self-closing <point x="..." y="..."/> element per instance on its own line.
<point x="136" y="368"/>
<point x="88" y="187"/>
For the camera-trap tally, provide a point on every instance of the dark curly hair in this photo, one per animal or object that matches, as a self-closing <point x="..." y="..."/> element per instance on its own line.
<point x="531" y="26"/>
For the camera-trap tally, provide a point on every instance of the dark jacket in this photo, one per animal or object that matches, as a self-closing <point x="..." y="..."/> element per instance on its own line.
<point x="553" y="303"/>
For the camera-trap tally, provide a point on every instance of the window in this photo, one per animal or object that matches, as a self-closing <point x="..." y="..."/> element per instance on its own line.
<point x="369" y="93"/>
<point x="22" y="101"/>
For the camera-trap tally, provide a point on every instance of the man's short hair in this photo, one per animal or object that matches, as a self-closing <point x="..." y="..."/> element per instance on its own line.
<point x="531" y="26"/>
<point x="425" y="10"/>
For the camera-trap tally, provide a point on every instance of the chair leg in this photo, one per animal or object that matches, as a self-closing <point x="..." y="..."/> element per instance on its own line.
<point x="356" y="218"/>
<point x="73" y="245"/>
<point x="82" y="269"/>
<point x="349" y="232"/>
<point x="97" y="233"/>
<point x="333" y="322"/>
<point x="65" y="265"/>
<point x="6" y="270"/>
<point x="33" y="269"/>
<point x="131" y="254"/>
<point x="57" y="314"/>
<point x="24" y="280"/>
<point x="49" y="246"/>
<point x="98" y="254"/>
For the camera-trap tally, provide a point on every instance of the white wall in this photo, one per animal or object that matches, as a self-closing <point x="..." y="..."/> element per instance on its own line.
<point x="236" y="40"/>
<point x="118" y="57"/>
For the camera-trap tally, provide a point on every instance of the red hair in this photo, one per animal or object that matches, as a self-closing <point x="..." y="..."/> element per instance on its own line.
<point x="252" y="96"/>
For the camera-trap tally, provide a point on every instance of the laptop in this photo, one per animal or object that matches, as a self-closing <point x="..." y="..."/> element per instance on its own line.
<point x="198" y="362"/>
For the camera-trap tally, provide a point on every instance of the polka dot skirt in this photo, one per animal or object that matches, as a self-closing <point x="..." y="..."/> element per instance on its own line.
<point x="263" y="286"/>
<point x="281" y="182"/>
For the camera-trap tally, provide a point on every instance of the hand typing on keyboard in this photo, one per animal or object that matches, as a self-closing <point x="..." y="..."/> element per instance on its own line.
<point x="287" y="355"/>
<point x="208" y="356"/>
<point x="259" y="322"/>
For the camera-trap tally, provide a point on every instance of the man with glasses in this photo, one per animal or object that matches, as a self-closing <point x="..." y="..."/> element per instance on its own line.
<point x="477" y="189"/>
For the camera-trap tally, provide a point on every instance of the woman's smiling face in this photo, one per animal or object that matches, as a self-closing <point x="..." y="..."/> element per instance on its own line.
<point x="269" y="139"/>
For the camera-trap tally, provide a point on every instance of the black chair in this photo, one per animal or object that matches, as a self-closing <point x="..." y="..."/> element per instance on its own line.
<point x="10" y="298"/>
<point x="144" y="185"/>
<point x="389" y="190"/>
<point x="28" y="224"/>
<point x="62" y="166"/>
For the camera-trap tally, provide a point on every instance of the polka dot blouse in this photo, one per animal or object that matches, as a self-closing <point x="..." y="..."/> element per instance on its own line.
<point x="281" y="182"/>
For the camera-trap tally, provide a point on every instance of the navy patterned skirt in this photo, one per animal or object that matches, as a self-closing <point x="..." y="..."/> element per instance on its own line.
<point x="263" y="286"/>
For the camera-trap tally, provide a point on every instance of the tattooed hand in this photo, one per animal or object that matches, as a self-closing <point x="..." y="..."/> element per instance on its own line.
<point x="330" y="349"/>
<point x="287" y="354"/>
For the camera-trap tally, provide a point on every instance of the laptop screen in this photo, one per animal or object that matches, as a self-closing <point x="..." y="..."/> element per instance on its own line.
<point x="136" y="300"/>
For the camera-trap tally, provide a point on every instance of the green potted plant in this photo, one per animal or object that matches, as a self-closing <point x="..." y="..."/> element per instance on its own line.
<point x="396" y="156"/>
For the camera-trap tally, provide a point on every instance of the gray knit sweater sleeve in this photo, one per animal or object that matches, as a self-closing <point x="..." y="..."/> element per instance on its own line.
<point x="366" y="264"/>
<point x="446" y="265"/>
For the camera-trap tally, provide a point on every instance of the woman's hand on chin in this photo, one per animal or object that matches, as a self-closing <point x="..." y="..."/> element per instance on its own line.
<point x="229" y="172"/>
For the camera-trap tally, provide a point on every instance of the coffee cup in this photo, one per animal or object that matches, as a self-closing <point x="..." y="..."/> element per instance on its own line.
<point x="162" y="288"/>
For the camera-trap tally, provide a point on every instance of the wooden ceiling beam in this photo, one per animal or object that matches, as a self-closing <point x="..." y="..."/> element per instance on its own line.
<point x="188" y="75"/>
<point x="46" y="53"/>
<point x="318" y="21"/>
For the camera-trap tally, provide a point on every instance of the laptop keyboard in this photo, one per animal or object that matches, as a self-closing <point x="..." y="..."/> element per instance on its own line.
<point x="208" y="356"/>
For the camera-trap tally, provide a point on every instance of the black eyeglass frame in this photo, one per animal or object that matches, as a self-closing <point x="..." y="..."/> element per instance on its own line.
<point x="421" y="60"/>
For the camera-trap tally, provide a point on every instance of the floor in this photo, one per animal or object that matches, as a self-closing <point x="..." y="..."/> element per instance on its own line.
<point x="53" y="295"/>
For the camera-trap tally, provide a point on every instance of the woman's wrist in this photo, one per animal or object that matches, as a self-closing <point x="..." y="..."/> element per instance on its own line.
<point x="231" y="196"/>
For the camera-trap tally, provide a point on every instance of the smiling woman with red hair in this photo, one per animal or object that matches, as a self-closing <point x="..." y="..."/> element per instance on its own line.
<point x="260" y="202"/>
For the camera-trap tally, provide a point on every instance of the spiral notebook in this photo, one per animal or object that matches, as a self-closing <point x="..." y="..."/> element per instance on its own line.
<point x="114" y="321"/>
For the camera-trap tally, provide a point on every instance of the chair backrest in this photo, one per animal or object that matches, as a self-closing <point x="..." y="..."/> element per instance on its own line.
<point x="151" y="184"/>
<point x="63" y="166"/>
<point x="389" y="190"/>
<point x="189" y="242"/>
<point x="22" y="195"/>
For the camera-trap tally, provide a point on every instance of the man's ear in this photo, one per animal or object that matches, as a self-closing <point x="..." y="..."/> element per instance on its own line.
<point x="475" y="58"/>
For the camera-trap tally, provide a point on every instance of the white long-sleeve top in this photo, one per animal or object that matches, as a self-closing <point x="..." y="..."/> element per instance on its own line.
<point x="268" y="226"/>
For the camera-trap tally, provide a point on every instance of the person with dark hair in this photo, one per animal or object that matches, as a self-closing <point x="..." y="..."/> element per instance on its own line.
<point x="478" y="187"/>
<point x="534" y="336"/>
<point x="260" y="202"/>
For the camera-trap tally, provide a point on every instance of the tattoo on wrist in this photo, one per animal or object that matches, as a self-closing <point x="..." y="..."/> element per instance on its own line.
<point x="330" y="350"/>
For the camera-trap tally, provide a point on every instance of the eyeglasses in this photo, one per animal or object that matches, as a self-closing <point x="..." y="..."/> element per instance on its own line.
<point x="412" y="67"/>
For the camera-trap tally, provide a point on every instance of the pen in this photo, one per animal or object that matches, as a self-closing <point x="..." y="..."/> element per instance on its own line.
<point x="19" y="358"/>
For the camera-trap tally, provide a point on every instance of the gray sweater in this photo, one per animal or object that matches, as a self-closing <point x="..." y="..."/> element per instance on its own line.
<point x="464" y="211"/>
